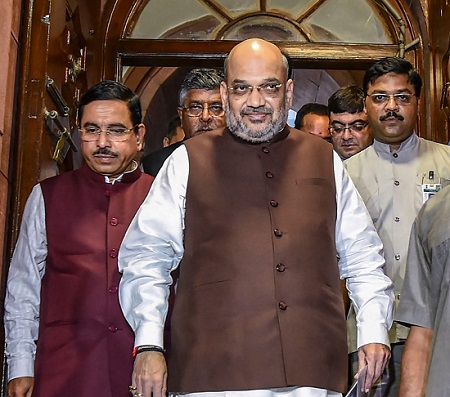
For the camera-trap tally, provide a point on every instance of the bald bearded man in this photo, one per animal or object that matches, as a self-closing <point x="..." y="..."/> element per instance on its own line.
<point x="255" y="215"/>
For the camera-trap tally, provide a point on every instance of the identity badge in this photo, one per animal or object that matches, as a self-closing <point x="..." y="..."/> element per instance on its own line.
<point x="430" y="189"/>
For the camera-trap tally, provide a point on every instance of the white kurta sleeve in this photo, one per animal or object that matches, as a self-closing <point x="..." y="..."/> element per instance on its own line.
<point x="361" y="262"/>
<point x="23" y="289"/>
<point x="151" y="249"/>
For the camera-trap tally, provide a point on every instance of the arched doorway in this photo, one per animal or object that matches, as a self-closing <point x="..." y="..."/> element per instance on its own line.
<point x="328" y="40"/>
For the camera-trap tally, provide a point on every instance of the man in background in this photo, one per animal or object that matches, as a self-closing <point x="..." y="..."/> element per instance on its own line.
<point x="395" y="176"/>
<point x="174" y="133"/>
<point x="63" y="279"/>
<point x="350" y="130"/>
<point x="313" y="118"/>
<point x="199" y="108"/>
<point x="257" y="213"/>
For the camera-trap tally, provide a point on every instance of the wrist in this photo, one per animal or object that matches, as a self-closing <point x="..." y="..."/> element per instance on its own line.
<point x="147" y="348"/>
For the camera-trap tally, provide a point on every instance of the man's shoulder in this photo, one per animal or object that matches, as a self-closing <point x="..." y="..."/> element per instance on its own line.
<point x="435" y="154"/>
<point x="434" y="145"/>
<point x="152" y="162"/>
<point x="427" y="144"/>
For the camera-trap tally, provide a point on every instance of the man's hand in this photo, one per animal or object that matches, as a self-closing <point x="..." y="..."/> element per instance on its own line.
<point x="149" y="375"/>
<point x="375" y="356"/>
<point x="21" y="387"/>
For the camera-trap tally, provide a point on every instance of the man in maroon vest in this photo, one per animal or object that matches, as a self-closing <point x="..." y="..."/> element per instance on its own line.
<point x="265" y="222"/>
<point x="65" y="332"/>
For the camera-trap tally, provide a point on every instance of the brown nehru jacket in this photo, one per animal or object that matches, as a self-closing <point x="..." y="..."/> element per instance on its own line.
<point x="260" y="227"/>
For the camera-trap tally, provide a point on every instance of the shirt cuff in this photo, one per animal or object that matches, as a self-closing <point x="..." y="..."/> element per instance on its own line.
<point x="372" y="334"/>
<point x="20" y="367"/>
<point x="149" y="334"/>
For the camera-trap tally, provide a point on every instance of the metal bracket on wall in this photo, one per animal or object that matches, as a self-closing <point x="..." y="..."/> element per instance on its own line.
<point x="56" y="96"/>
<point x="62" y="136"/>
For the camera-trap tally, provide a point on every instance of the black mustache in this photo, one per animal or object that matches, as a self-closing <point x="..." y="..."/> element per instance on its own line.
<point x="391" y="113"/>
<point x="105" y="151"/>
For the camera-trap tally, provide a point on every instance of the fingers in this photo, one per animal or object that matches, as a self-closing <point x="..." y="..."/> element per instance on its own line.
<point x="376" y="357"/>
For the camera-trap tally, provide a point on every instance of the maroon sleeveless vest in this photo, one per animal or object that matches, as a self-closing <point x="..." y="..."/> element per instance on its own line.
<point x="258" y="302"/>
<point x="85" y="344"/>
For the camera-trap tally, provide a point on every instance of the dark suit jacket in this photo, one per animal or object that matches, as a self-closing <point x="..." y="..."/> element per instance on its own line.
<point x="153" y="162"/>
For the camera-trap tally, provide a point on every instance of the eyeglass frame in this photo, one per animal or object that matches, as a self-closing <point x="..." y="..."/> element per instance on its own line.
<point x="259" y="87"/>
<point x="349" y="127"/>
<point x="204" y="106"/>
<point x="107" y="131"/>
<point x="393" y="96"/>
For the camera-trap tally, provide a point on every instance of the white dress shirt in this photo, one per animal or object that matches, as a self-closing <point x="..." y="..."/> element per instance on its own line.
<point x="153" y="247"/>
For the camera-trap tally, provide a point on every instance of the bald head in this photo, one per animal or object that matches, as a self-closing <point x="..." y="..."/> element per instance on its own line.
<point x="253" y="51"/>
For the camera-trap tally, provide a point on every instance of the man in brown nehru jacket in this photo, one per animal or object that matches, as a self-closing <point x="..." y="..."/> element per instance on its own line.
<point x="263" y="222"/>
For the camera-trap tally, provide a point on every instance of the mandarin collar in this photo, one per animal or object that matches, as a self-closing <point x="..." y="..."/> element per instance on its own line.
<point x="126" y="177"/>
<point x="409" y="143"/>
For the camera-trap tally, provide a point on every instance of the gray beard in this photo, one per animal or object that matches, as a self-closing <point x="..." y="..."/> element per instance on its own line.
<point x="238" y="128"/>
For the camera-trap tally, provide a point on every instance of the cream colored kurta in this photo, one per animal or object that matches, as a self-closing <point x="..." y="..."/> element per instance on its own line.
<point x="390" y="183"/>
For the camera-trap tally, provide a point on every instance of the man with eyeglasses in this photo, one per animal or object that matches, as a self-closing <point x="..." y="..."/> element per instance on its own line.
<point x="256" y="213"/>
<point x="395" y="176"/>
<point x="64" y="330"/>
<point x="200" y="110"/>
<point x="350" y="130"/>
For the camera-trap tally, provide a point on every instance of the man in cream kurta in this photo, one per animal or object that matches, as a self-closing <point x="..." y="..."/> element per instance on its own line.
<point x="394" y="177"/>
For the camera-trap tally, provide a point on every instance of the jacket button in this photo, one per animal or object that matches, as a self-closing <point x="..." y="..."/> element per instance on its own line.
<point x="281" y="268"/>
<point x="282" y="305"/>
<point x="397" y="257"/>
<point x="113" y="289"/>
<point x="274" y="203"/>
<point x="396" y="183"/>
<point x="395" y="155"/>
<point x="269" y="174"/>
<point x="278" y="232"/>
<point x="113" y="328"/>
<point x="113" y="253"/>
<point x="108" y="193"/>
<point x="113" y="222"/>
<point x="265" y="149"/>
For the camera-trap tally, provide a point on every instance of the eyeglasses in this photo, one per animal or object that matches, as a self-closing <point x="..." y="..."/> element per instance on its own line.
<point x="195" y="110"/>
<point x="400" y="99"/>
<point x="267" y="90"/>
<point x="114" y="134"/>
<point x="356" y="127"/>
